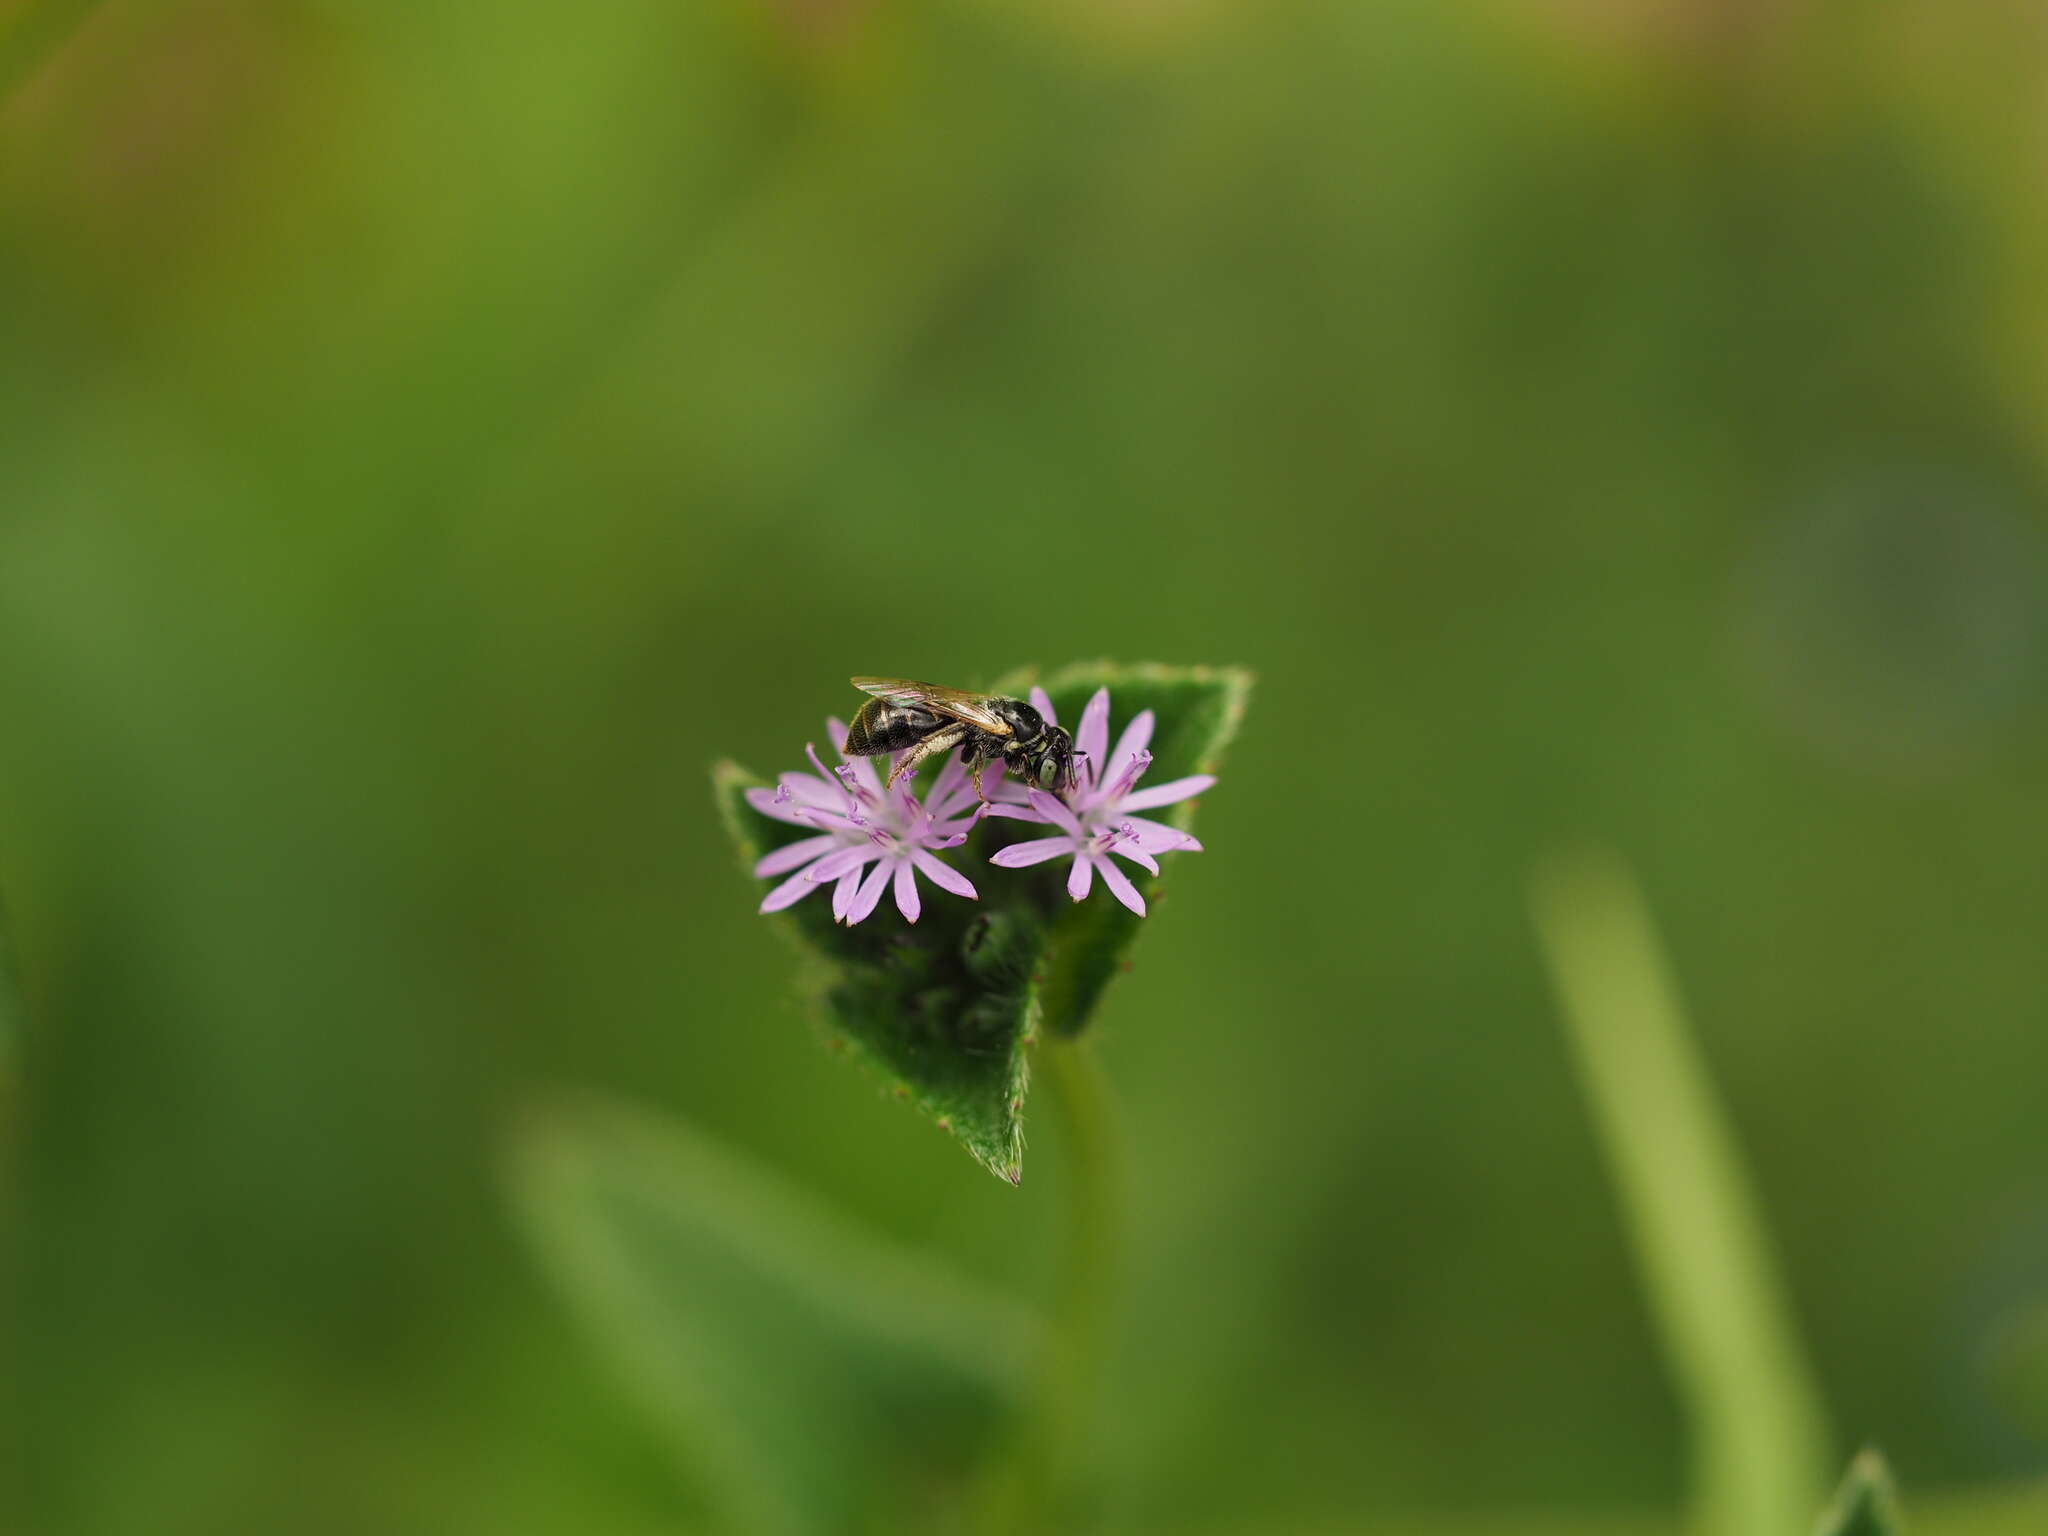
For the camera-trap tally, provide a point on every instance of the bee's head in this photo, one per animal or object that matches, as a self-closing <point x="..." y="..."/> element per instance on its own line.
<point x="1052" y="764"/>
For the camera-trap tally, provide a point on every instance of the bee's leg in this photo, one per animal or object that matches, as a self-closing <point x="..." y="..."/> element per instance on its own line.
<point x="932" y="746"/>
<point x="991" y="755"/>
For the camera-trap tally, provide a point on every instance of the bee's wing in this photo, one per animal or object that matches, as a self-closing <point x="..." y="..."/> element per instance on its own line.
<point x="955" y="703"/>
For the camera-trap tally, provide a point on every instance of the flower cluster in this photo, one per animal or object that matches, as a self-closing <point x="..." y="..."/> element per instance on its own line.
<point x="860" y="824"/>
<point x="1094" y="817"/>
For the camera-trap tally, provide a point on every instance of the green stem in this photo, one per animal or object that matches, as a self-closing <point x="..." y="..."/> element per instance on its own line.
<point x="1032" y="1477"/>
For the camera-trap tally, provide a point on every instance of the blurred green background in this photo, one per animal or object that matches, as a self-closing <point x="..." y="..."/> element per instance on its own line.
<point x="430" y="434"/>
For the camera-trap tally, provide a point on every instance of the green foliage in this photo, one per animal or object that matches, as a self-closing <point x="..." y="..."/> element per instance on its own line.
<point x="426" y="429"/>
<point x="1866" y="1504"/>
<point x="805" y="1371"/>
<point x="946" y="1009"/>
<point x="1700" y="1239"/>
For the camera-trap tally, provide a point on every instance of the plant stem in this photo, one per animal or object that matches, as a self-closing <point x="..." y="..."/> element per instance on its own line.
<point x="1088" y="1264"/>
<point x="1032" y="1477"/>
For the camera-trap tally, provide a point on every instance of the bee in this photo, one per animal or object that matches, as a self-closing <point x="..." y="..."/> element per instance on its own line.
<point x="923" y="720"/>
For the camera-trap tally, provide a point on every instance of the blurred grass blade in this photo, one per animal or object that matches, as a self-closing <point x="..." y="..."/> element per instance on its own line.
<point x="1755" y="1414"/>
<point x="1867" y="1503"/>
<point x="809" y="1374"/>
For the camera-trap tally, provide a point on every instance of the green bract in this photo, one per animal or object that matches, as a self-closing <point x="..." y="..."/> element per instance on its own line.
<point x="946" y="1008"/>
<point x="1866" y="1504"/>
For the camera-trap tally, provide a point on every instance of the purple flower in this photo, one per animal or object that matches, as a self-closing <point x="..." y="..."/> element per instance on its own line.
<point x="860" y="824"/>
<point x="1094" y="816"/>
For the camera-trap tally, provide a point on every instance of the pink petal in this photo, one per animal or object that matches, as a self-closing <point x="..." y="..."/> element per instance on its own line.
<point x="790" y="855"/>
<point x="1013" y="812"/>
<point x="837" y="785"/>
<point x="1037" y="851"/>
<point x="1093" y="736"/>
<point x="943" y="875"/>
<point x="906" y="892"/>
<point x="1053" y="809"/>
<point x="1043" y="704"/>
<point x="1115" y="786"/>
<point x="1167" y="793"/>
<point x="1121" y="888"/>
<point x="1157" y="836"/>
<point x="788" y="894"/>
<point x="961" y="820"/>
<point x="1136" y="738"/>
<point x="812" y="790"/>
<point x="1081" y="877"/>
<point x="834" y="865"/>
<point x="843" y="894"/>
<point x="952" y="784"/>
<point x="869" y="894"/>
<point x="834" y="821"/>
<point x="1003" y="791"/>
<point x="1125" y="849"/>
<point x="789" y="808"/>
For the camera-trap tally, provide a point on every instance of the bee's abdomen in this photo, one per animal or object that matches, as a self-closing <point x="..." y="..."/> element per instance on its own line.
<point x="884" y="727"/>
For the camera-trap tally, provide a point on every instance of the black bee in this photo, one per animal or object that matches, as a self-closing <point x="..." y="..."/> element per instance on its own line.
<point x="923" y="720"/>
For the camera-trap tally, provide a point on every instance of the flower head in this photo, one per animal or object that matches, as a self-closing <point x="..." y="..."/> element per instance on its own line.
<point x="1094" y="817"/>
<point x="861" y="824"/>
